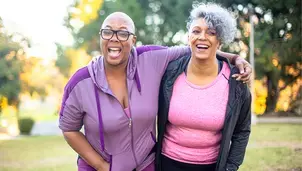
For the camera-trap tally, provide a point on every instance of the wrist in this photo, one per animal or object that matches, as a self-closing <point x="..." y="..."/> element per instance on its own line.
<point x="100" y="165"/>
<point x="234" y="58"/>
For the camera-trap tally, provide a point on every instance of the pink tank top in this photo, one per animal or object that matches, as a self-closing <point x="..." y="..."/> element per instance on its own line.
<point x="127" y="111"/>
<point x="196" y="118"/>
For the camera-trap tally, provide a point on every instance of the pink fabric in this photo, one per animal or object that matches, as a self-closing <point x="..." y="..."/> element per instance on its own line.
<point x="196" y="118"/>
<point x="127" y="111"/>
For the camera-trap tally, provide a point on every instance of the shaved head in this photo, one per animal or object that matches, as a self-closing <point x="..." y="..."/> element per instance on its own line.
<point x="127" y="21"/>
<point x="116" y="51"/>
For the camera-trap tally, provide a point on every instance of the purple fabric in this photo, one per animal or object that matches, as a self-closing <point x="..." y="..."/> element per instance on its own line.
<point x="80" y="75"/>
<point x="99" y="117"/>
<point x="138" y="83"/>
<point x="126" y="146"/>
<point x="153" y="137"/>
<point x="151" y="167"/>
<point x="147" y="48"/>
<point x="83" y="166"/>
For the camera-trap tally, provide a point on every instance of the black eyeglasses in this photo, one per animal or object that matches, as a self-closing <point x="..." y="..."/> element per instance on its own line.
<point x="121" y="35"/>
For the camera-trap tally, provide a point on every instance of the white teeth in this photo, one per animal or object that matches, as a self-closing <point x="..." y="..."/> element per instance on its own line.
<point x="202" y="46"/>
<point x="114" y="49"/>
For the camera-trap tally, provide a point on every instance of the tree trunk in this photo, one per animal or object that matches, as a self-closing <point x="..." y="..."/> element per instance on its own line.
<point x="273" y="92"/>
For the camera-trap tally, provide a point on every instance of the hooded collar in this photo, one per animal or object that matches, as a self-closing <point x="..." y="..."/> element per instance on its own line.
<point x="97" y="71"/>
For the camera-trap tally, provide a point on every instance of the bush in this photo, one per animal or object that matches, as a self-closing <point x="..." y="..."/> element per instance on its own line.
<point x="25" y="125"/>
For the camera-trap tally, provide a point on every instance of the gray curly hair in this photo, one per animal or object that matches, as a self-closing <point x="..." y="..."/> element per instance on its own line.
<point x="217" y="18"/>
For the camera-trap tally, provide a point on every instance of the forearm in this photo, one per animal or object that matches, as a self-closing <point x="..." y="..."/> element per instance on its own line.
<point x="229" y="56"/>
<point x="237" y="150"/>
<point x="79" y="144"/>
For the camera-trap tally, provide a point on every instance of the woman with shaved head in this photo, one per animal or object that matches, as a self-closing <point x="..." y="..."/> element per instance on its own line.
<point x="204" y="114"/>
<point x="115" y="98"/>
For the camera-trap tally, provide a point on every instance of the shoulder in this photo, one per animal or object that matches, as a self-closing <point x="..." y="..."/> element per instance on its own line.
<point x="76" y="78"/>
<point x="148" y="48"/>
<point x="180" y="62"/>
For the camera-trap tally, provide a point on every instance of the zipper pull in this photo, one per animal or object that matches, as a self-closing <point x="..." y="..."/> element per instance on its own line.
<point x="130" y="122"/>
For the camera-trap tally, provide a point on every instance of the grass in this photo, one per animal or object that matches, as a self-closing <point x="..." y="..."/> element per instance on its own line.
<point x="274" y="147"/>
<point x="271" y="147"/>
<point x="49" y="153"/>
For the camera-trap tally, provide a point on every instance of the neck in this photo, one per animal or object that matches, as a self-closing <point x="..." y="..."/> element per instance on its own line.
<point x="203" y="68"/>
<point x="119" y="71"/>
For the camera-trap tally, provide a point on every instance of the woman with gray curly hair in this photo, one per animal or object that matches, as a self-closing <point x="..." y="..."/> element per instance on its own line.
<point x="204" y="114"/>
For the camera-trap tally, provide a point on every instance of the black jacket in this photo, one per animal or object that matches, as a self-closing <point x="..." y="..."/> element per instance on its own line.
<point x="236" y="130"/>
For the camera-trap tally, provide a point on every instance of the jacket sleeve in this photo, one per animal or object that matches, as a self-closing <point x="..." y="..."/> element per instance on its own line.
<point x="71" y="115"/>
<point x="160" y="56"/>
<point x="240" y="136"/>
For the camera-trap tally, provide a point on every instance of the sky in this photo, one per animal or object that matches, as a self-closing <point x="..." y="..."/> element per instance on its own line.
<point x="39" y="20"/>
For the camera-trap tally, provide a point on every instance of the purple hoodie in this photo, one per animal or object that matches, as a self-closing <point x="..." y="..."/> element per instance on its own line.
<point x="122" y="141"/>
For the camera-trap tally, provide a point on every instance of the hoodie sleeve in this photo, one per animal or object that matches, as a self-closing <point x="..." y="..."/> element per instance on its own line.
<point x="71" y="113"/>
<point x="71" y="116"/>
<point x="160" y="56"/>
<point x="241" y="135"/>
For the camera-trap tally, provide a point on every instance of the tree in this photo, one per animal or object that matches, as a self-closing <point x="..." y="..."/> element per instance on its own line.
<point x="277" y="42"/>
<point x="277" y="32"/>
<point x="11" y="56"/>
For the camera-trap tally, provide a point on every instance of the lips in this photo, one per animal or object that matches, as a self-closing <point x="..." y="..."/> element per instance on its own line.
<point x="202" y="46"/>
<point x="114" y="52"/>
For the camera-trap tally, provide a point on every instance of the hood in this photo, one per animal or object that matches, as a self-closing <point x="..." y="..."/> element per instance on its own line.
<point x="97" y="73"/>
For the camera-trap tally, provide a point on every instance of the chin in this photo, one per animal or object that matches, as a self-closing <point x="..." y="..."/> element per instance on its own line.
<point x="202" y="57"/>
<point x="114" y="62"/>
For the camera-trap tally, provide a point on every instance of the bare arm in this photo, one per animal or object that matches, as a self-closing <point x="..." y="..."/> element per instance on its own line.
<point x="79" y="144"/>
<point x="244" y="67"/>
<point x="229" y="56"/>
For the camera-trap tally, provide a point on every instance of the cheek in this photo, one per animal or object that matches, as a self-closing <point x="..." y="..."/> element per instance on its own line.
<point x="192" y="39"/>
<point x="127" y="46"/>
<point x="215" y="43"/>
<point x="103" y="43"/>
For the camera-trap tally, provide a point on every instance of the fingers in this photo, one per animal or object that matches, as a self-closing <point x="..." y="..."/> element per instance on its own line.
<point x="242" y="77"/>
<point x="248" y="69"/>
<point x="240" y="67"/>
<point x="246" y="79"/>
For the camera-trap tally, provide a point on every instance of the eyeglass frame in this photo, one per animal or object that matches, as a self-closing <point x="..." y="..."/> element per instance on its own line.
<point x="115" y="33"/>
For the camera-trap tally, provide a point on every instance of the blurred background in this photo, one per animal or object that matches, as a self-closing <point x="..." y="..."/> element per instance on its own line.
<point x="42" y="43"/>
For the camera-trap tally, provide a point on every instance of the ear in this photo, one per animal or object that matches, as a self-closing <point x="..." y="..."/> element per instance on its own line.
<point x="219" y="46"/>
<point x="133" y="40"/>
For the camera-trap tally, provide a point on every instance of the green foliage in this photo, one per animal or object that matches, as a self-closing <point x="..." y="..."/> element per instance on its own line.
<point x="63" y="62"/>
<point x="277" y="33"/>
<point x="25" y="125"/>
<point x="10" y="67"/>
<point x="277" y="37"/>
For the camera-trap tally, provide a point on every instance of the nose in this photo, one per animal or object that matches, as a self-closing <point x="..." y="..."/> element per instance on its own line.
<point x="202" y="35"/>
<point x="114" y="37"/>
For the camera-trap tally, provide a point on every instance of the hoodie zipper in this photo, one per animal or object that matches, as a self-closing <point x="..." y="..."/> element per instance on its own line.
<point x="132" y="143"/>
<point x="130" y="124"/>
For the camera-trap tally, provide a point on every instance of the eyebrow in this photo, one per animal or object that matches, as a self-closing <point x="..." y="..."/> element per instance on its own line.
<point x="122" y="27"/>
<point x="209" y="28"/>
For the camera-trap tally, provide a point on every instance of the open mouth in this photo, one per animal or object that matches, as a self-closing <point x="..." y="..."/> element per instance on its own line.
<point x="202" y="47"/>
<point x="114" y="52"/>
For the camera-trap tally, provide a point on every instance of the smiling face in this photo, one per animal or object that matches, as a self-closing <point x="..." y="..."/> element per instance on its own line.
<point x="116" y="49"/>
<point x="202" y="39"/>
